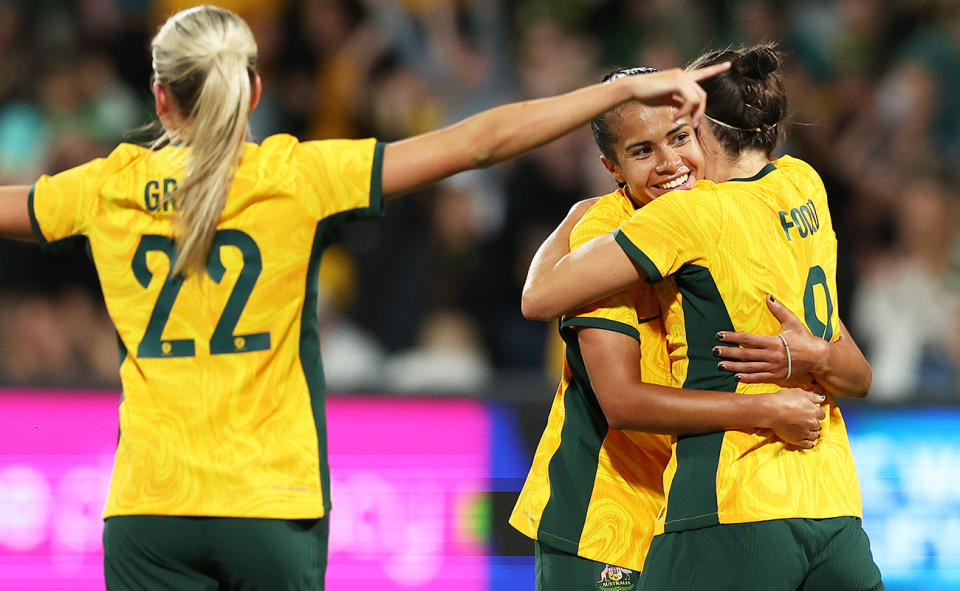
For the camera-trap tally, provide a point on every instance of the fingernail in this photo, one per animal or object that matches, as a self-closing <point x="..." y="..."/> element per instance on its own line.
<point x="737" y="377"/>
<point x="822" y="398"/>
<point x="721" y="366"/>
<point x="771" y="298"/>
<point x="716" y="351"/>
<point x="720" y="336"/>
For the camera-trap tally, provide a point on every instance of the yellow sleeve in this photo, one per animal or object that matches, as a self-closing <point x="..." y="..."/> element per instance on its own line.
<point x="680" y="228"/>
<point x="340" y="176"/>
<point x="617" y="312"/>
<point x="63" y="205"/>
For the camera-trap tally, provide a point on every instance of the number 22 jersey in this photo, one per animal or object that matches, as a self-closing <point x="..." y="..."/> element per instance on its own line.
<point x="223" y="393"/>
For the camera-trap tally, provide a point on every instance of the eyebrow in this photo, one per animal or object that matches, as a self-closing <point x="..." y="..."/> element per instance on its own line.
<point x="648" y="142"/>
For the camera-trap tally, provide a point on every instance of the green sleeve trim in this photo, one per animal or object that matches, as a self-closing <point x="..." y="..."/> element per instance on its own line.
<point x="376" y="180"/>
<point x="602" y="323"/>
<point x="33" y="219"/>
<point x="653" y="273"/>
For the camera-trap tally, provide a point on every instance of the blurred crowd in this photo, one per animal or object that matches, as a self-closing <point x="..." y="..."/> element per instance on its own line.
<point x="427" y="300"/>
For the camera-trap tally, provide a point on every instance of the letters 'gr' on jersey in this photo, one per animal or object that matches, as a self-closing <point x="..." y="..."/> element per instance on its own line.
<point x="728" y="246"/>
<point x="595" y="491"/>
<point x="223" y="392"/>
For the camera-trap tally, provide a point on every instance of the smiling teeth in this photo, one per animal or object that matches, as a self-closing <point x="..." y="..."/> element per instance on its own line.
<point x="675" y="182"/>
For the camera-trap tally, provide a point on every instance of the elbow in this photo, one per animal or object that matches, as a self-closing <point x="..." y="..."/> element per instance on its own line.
<point x="616" y="420"/>
<point x="533" y="306"/>
<point x="487" y="146"/>
<point x="621" y="418"/>
<point x="483" y="152"/>
<point x="482" y="156"/>
<point x="867" y="383"/>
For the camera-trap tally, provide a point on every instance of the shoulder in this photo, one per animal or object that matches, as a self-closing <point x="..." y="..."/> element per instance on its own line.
<point x="797" y="167"/>
<point x="802" y="178"/>
<point x="603" y="217"/>
<point x="275" y="147"/>
<point x="703" y="197"/>
<point x="274" y="155"/>
<point x="125" y="154"/>
<point x="612" y="207"/>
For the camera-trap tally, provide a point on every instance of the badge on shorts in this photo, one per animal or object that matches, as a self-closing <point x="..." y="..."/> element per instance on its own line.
<point x="615" y="578"/>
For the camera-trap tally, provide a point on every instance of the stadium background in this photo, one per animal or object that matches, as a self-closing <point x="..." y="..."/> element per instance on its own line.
<point x="442" y="388"/>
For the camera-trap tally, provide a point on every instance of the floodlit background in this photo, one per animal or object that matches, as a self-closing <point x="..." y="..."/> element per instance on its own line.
<point x="420" y="312"/>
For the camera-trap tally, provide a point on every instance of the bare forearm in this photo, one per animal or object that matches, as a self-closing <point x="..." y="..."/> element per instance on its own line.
<point x="493" y="136"/>
<point x="671" y="411"/>
<point x="597" y="269"/>
<point x="843" y="370"/>
<point x="14" y="214"/>
<point x="505" y="132"/>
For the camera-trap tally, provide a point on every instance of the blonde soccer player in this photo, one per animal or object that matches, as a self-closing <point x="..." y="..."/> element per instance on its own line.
<point x="207" y="249"/>
<point x="743" y="509"/>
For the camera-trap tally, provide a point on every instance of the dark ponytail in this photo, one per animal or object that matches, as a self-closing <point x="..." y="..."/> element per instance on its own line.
<point x="747" y="104"/>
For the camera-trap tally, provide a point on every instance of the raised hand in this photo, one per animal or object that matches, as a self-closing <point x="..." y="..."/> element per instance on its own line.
<point x="677" y="88"/>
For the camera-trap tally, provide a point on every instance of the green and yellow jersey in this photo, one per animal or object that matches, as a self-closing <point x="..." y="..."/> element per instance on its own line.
<point x="727" y="246"/>
<point x="595" y="491"/>
<point x="223" y="392"/>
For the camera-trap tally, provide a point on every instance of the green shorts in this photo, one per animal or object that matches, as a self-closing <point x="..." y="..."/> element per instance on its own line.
<point x="561" y="571"/>
<point x="779" y="555"/>
<point x="160" y="552"/>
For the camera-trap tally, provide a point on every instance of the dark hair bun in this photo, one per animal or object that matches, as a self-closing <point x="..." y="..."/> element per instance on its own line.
<point x="758" y="62"/>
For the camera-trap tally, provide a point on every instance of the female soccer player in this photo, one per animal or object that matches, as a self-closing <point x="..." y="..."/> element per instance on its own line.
<point x="743" y="510"/>
<point x="590" y="478"/>
<point x="207" y="250"/>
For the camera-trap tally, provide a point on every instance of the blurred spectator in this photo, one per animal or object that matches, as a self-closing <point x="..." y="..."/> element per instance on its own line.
<point x="907" y="310"/>
<point x="448" y="359"/>
<point x="352" y="358"/>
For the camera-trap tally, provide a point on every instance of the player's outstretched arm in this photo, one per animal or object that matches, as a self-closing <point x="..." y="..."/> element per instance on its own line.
<point x="507" y="131"/>
<point x="613" y="365"/>
<point x="840" y="366"/>
<point x="14" y="214"/>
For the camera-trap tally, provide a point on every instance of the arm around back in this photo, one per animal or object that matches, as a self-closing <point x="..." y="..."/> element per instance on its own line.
<point x="613" y="360"/>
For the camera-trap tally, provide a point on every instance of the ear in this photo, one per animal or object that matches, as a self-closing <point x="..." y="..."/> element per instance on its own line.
<point x="161" y="102"/>
<point x="256" y="91"/>
<point x="612" y="169"/>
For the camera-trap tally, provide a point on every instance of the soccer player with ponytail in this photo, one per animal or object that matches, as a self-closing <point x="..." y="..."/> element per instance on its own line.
<point x="743" y="509"/>
<point x="207" y="248"/>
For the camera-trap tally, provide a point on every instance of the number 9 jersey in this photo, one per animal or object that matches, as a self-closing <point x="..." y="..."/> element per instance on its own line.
<point x="728" y="246"/>
<point x="223" y="392"/>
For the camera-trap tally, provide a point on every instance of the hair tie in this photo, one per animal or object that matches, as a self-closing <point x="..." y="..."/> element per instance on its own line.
<point x="728" y="126"/>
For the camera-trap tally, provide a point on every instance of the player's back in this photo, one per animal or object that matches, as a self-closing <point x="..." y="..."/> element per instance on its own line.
<point x="223" y="390"/>
<point x="728" y="246"/>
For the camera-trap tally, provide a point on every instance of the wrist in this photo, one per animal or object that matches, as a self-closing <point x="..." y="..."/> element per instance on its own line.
<point x="821" y="358"/>
<point x="764" y="411"/>
<point x="758" y="410"/>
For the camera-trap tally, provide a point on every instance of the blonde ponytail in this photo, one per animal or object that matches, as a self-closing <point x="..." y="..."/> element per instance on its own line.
<point x="206" y="56"/>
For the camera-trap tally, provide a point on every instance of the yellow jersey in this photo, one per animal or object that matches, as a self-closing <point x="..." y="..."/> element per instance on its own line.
<point x="595" y="491"/>
<point x="223" y="393"/>
<point x="728" y="246"/>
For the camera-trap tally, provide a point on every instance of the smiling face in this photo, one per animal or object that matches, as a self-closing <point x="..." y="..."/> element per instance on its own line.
<point x="653" y="153"/>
